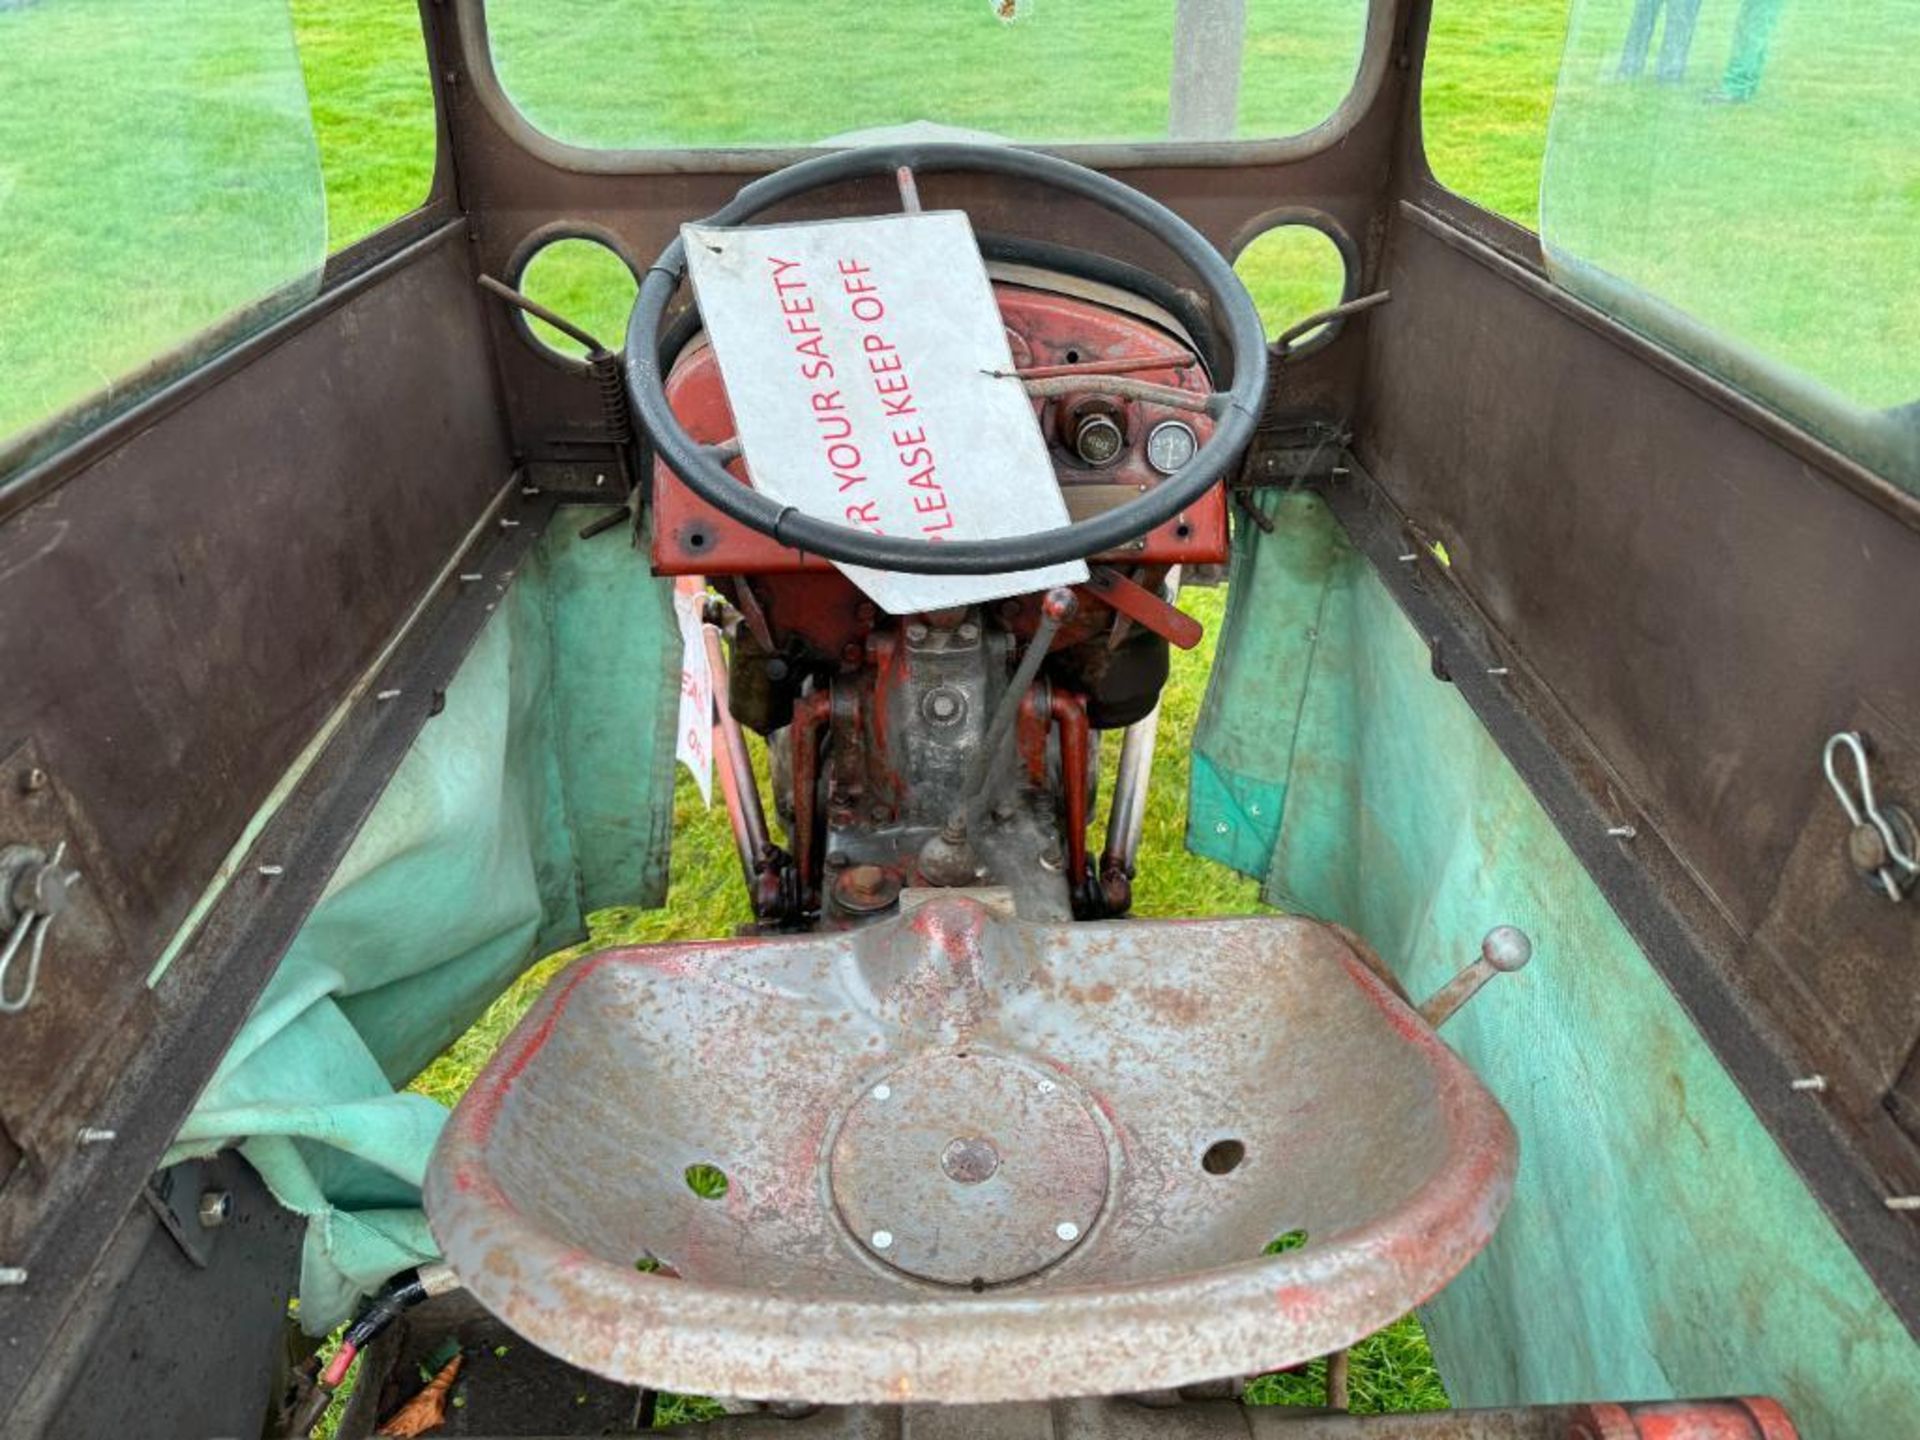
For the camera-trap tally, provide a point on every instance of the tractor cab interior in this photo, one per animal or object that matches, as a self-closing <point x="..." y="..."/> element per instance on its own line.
<point x="367" y="597"/>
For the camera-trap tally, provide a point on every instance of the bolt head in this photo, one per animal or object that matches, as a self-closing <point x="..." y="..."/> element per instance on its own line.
<point x="883" y="1239"/>
<point x="969" y="1160"/>
<point x="866" y="888"/>
<point x="216" y="1206"/>
<point x="944" y="705"/>
<point x="1067" y="1231"/>
<point x="916" y="634"/>
<point x="1506" y="948"/>
<point x="1867" y="849"/>
<point x="34" y="779"/>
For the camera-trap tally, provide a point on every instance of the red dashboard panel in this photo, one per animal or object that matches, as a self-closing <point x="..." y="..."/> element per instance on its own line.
<point x="690" y="537"/>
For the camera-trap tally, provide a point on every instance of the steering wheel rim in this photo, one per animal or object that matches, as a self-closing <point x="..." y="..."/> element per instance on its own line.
<point x="1236" y="410"/>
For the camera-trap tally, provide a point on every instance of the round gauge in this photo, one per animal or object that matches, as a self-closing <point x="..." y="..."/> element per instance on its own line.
<point x="1170" y="445"/>
<point x="1098" y="440"/>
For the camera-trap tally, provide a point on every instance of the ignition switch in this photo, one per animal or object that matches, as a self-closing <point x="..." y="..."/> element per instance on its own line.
<point x="1095" y="429"/>
<point x="1097" y="440"/>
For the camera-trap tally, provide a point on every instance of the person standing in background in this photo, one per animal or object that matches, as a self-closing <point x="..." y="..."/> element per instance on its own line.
<point x="1753" y="29"/>
<point x="1675" y="40"/>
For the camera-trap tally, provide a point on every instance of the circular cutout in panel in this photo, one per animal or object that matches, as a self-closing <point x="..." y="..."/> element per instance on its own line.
<point x="1293" y="270"/>
<point x="585" y="281"/>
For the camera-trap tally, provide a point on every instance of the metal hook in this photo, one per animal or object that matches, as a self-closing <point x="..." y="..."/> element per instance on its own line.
<point x="1865" y="815"/>
<point x="33" y="922"/>
<point x="37" y="925"/>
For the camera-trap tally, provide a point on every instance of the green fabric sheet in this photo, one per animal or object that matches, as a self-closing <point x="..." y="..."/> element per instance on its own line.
<point x="1658" y="1244"/>
<point x="542" y="791"/>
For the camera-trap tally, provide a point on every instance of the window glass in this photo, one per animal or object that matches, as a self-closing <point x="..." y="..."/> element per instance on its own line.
<point x="365" y="63"/>
<point x="1292" y="271"/>
<point x="159" y="197"/>
<point x="665" y="74"/>
<point x="583" y="281"/>
<point x="1741" y="178"/>
<point x="1485" y="94"/>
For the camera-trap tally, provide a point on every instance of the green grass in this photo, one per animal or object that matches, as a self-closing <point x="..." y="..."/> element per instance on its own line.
<point x="158" y="174"/>
<point x="671" y="73"/>
<point x="1791" y="223"/>
<point x="153" y="180"/>
<point x="1788" y="224"/>
<point x="1485" y="95"/>
<point x="365" y="64"/>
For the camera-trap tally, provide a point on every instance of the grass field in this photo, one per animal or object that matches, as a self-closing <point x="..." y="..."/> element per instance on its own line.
<point x="79" y="223"/>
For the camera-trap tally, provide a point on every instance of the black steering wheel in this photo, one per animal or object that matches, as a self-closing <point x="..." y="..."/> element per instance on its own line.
<point x="1235" y="411"/>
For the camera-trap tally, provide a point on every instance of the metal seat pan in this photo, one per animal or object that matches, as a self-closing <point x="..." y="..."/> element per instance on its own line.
<point x="968" y="1159"/>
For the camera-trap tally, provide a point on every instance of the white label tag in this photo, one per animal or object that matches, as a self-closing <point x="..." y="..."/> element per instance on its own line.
<point x="868" y="370"/>
<point x="693" y="744"/>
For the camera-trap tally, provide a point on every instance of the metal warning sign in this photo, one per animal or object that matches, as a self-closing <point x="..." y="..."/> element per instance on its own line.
<point x="869" y="374"/>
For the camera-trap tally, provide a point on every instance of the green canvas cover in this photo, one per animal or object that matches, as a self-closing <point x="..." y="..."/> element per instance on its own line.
<point x="542" y="792"/>
<point x="1658" y="1243"/>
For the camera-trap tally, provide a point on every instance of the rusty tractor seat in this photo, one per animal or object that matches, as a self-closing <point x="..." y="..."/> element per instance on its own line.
<point x="967" y="1159"/>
